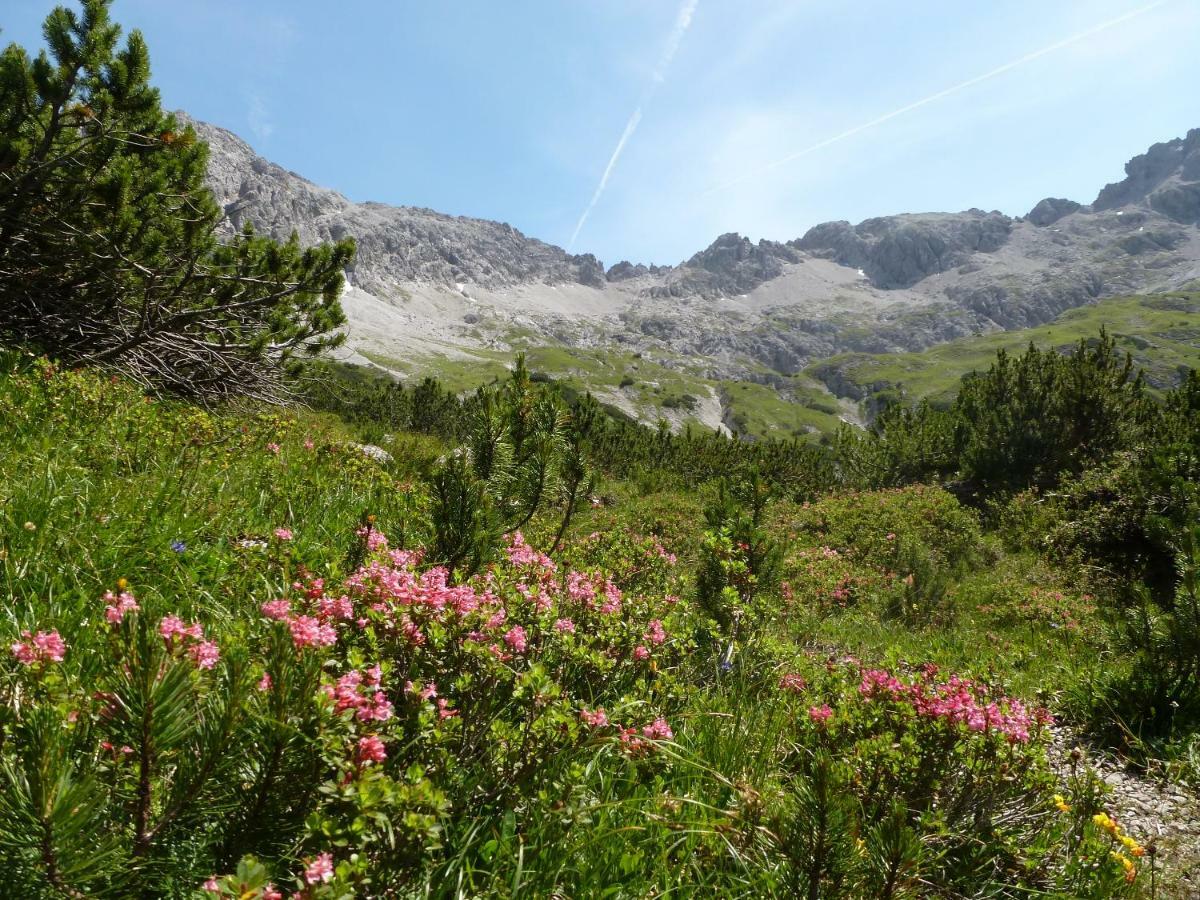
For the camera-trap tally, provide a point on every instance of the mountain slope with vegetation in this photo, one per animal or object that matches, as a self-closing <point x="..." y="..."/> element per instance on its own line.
<point x="1160" y="332"/>
<point x="376" y="638"/>
<point x="449" y="296"/>
<point x="707" y="690"/>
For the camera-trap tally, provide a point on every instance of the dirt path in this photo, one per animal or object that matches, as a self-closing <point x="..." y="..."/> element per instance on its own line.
<point x="1150" y="810"/>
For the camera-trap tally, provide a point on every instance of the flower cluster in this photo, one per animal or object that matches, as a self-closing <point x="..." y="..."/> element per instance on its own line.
<point x="43" y="647"/>
<point x="1127" y="844"/>
<point x="177" y="636"/>
<point x="306" y="631"/>
<point x="633" y="740"/>
<point x="521" y="554"/>
<point x="958" y="701"/>
<point x="361" y="693"/>
<point x="118" y="606"/>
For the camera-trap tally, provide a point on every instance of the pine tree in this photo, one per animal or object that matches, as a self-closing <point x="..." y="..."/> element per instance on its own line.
<point x="108" y="248"/>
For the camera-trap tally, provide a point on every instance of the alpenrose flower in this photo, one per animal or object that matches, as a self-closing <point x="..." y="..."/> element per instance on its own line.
<point x="362" y="694"/>
<point x="204" y="654"/>
<point x="820" y="714"/>
<point x="43" y="647"/>
<point x="118" y="606"/>
<point x="319" y="870"/>
<point x="370" y="750"/>
<point x="794" y="682"/>
<point x="957" y="701"/>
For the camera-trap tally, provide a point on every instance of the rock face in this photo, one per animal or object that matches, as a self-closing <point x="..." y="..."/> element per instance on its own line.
<point x="1166" y="178"/>
<point x="1050" y="210"/>
<point x="729" y="265"/>
<point x="425" y="283"/>
<point x="899" y="251"/>
<point x="396" y="245"/>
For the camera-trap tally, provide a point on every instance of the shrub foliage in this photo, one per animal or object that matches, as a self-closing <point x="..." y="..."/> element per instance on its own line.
<point x="108" y="247"/>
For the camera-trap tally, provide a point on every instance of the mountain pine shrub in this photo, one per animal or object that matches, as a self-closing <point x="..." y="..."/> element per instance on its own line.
<point x="108" y="246"/>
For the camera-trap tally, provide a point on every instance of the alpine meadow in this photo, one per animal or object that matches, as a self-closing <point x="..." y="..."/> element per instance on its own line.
<point x="351" y="550"/>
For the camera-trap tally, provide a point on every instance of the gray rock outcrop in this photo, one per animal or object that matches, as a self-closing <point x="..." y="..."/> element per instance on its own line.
<point x="438" y="284"/>
<point x="1050" y="210"/>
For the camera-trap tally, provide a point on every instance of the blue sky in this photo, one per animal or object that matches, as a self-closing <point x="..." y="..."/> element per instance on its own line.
<point x="513" y="110"/>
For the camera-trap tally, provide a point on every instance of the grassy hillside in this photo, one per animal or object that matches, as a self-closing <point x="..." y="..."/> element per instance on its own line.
<point x="261" y="680"/>
<point x="1162" y="333"/>
<point x="647" y="388"/>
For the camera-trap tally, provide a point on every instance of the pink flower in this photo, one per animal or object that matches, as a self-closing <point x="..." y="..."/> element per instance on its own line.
<point x="308" y="444"/>
<point x="521" y="554"/>
<point x="596" y="719"/>
<point x="270" y="892"/>
<point x="379" y="709"/>
<point x="310" y="632"/>
<point x="655" y="633"/>
<point x="658" y="730"/>
<point x="375" y="540"/>
<point x="25" y="653"/>
<point x="793" y="682"/>
<point x="371" y="750"/>
<point x="170" y="626"/>
<point x="820" y="714"/>
<point x="641" y="653"/>
<point x="45" y="646"/>
<point x="515" y="638"/>
<point x="632" y="743"/>
<point x="279" y="610"/>
<point x="118" y="606"/>
<point x="284" y="534"/>
<point x="580" y="587"/>
<point x="273" y="448"/>
<point x="204" y="654"/>
<point x="265" y="683"/>
<point x="612" y="599"/>
<point x="51" y="645"/>
<point x="319" y="870"/>
<point x="564" y="626"/>
<point x="211" y="885"/>
<point x="444" y="710"/>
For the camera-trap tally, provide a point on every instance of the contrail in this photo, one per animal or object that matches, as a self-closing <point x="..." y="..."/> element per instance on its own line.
<point x="682" y="20"/>
<point x="933" y="98"/>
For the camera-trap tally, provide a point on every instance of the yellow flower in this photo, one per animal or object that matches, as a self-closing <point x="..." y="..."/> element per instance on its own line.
<point x="1132" y="846"/>
<point x="1126" y="864"/>
<point x="1061" y="803"/>
<point x="1103" y="820"/>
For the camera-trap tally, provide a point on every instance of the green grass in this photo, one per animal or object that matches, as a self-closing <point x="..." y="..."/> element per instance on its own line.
<point x="98" y="484"/>
<point x="761" y="411"/>
<point x="1162" y="333"/>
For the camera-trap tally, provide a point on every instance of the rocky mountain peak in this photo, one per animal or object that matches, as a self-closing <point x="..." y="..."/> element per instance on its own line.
<point x="1050" y="210"/>
<point x="397" y="245"/>
<point x="1166" y="178"/>
<point x="899" y="251"/>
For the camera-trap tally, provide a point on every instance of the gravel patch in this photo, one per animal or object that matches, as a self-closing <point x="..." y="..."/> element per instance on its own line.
<point x="1154" y="812"/>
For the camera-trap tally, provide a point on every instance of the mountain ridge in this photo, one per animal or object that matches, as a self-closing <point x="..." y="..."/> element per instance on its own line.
<point x="427" y="288"/>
